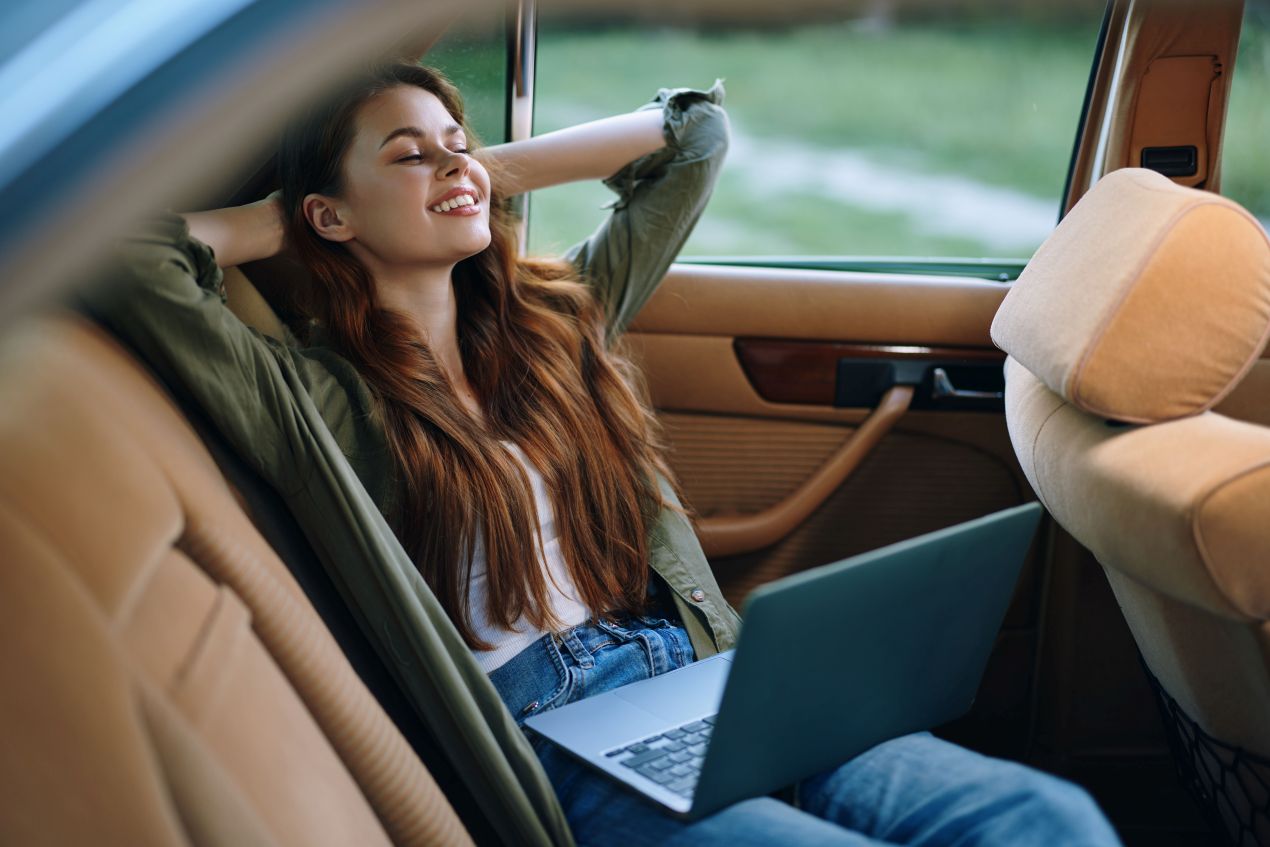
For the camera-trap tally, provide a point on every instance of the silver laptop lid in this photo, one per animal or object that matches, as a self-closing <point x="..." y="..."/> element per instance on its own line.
<point x="836" y="659"/>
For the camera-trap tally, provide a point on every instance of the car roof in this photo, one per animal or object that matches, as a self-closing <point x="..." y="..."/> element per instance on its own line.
<point x="124" y="106"/>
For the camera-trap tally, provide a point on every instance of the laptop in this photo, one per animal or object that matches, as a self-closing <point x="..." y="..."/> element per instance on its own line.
<point x="830" y="662"/>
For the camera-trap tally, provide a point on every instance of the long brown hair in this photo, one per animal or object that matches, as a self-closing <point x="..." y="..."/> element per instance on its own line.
<point x="533" y="345"/>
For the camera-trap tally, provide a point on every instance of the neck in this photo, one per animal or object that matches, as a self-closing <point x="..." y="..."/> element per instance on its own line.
<point x="426" y="297"/>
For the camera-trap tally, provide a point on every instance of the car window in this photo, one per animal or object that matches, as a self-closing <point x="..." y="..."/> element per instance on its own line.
<point x="1246" y="148"/>
<point x="898" y="129"/>
<point x="473" y="54"/>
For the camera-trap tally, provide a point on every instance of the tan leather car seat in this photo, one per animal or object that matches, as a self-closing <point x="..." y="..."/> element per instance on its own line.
<point x="163" y="680"/>
<point x="1146" y="306"/>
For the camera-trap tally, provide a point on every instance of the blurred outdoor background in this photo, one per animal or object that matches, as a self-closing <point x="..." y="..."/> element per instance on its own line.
<point x="910" y="129"/>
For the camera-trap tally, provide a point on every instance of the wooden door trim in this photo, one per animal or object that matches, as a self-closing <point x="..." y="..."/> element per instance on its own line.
<point x="805" y="372"/>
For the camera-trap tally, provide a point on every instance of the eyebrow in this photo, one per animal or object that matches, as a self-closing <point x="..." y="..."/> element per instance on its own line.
<point x="415" y="132"/>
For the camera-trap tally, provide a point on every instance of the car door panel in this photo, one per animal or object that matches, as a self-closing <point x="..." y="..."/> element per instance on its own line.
<point x="731" y="366"/>
<point x="823" y="305"/>
<point x="742" y="365"/>
<point x="714" y="341"/>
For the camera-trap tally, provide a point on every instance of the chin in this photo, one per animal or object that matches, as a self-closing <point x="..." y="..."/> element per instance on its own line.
<point x="479" y="241"/>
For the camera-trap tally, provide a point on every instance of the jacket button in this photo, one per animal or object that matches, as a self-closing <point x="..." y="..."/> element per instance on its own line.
<point x="697" y="595"/>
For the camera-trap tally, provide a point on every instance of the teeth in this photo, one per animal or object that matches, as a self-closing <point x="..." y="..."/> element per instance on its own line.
<point x="461" y="200"/>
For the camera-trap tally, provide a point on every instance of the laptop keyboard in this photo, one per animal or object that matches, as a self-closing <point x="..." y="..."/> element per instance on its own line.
<point x="672" y="759"/>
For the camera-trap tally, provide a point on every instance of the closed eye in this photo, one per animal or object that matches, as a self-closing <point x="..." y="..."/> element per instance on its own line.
<point x="418" y="157"/>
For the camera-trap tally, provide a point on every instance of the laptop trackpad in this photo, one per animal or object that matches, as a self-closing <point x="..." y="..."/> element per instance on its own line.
<point x="694" y="690"/>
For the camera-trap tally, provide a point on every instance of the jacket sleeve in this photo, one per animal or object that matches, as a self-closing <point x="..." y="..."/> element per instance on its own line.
<point x="290" y="413"/>
<point x="164" y="296"/>
<point x="660" y="196"/>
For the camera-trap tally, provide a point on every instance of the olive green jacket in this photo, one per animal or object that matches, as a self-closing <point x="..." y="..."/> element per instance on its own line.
<point x="302" y="419"/>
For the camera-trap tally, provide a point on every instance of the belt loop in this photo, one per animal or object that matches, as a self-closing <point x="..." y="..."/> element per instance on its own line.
<point x="569" y="639"/>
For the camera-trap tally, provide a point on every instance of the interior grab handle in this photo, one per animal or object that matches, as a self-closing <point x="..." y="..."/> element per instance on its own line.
<point x="942" y="388"/>
<point x="730" y="535"/>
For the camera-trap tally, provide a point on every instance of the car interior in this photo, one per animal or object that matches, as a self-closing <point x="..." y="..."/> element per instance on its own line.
<point x="178" y="667"/>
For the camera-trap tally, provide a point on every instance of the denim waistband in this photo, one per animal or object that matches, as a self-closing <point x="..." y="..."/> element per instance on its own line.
<point x="596" y="656"/>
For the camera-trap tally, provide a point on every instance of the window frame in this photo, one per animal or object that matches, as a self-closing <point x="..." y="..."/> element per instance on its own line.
<point x="522" y="45"/>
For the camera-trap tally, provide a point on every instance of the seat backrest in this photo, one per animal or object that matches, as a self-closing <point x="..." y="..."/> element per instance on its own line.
<point x="164" y="679"/>
<point x="1146" y="307"/>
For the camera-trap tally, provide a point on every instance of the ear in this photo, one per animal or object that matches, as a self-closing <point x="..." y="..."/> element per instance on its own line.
<point x="328" y="217"/>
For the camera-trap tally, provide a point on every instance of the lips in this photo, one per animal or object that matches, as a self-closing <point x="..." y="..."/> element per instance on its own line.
<point x="461" y="200"/>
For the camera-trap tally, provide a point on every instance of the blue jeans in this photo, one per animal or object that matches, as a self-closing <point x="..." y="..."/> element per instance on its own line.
<point x="915" y="790"/>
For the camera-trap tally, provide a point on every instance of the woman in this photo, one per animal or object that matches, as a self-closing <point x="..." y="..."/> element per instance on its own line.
<point x="478" y="399"/>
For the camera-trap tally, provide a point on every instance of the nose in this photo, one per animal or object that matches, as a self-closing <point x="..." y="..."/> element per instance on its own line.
<point x="453" y="165"/>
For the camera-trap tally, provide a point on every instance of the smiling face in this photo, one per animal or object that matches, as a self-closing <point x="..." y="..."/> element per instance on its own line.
<point x="411" y="195"/>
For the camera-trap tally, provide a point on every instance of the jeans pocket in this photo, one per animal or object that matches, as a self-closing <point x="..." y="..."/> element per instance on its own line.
<point x="616" y="632"/>
<point x="534" y="680"/>
<point x="676" y="646"/>
<point x="663" y="645"/>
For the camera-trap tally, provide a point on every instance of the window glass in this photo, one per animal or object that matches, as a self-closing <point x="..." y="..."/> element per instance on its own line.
<point x="1245" y="169"/>
<point x="473" y="54"/>
<point x="901" y="128"/>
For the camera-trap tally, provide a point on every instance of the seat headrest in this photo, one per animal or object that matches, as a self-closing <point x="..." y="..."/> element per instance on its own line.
<point x="1147" y="303"/>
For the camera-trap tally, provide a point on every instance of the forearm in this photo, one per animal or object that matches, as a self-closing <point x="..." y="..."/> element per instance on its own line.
<point x="660" y="196"/>
<point x="592" y="150"/>
<point x="240" y="234"/>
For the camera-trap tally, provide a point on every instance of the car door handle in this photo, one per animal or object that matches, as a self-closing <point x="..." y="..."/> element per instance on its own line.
<point x="942" y="388"/>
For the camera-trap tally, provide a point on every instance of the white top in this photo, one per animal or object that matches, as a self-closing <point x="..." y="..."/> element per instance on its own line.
<point x="562" y="594"/>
